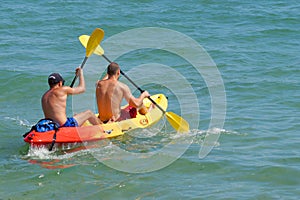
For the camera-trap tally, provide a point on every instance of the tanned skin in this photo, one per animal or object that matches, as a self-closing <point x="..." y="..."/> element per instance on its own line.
<point x="110" y="92"/>
<point x="54" y="102"/>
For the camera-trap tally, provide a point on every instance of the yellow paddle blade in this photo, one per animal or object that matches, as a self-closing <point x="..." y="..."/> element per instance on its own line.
<point x="94" y="41"/>
<point x="84" y="40"/>
<point x="177" y="122"/>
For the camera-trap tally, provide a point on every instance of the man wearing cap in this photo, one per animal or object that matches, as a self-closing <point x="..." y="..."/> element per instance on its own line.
<point x="54" y="101"/>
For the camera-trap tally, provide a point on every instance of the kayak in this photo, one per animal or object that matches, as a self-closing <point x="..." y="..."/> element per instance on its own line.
<point x="88" y="132"/>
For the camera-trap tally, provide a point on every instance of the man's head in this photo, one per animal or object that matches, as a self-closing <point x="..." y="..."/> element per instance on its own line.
<point x="113" y="69"/>
<point x="54" y="79"/>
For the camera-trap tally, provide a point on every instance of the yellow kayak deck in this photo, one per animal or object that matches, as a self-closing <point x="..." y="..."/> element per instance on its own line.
<point x="153" y="115"/>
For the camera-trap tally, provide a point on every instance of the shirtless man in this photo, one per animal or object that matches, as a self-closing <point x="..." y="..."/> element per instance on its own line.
<point x="109" y="95"/>
<point x="55" y="99"/>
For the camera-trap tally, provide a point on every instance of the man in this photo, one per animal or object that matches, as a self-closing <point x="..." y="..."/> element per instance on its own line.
<point x="109" y="95"/>
<point x="55" y="99"/>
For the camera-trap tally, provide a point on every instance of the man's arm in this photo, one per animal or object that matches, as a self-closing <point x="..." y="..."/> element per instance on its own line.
<point x="135" y="102"/>
<point x="138" y="102"/>
<point x="80" y="88"/>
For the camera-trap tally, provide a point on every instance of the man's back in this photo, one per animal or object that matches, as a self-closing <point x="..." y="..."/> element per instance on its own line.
<point x="54" y="101"/>
<point x="54" y="105"/>
<point x="109" y="94"/>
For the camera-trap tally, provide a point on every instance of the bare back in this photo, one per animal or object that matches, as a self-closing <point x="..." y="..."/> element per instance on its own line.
<point x="109" y="94"/>
<point x="54" y="101"/>
<point x="54" y="104"/>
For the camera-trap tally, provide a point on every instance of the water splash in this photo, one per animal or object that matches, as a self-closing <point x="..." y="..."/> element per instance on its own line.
<point x="19" y="121"/>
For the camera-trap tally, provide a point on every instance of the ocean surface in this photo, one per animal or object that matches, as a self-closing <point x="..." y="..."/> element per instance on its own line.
<point x="252" y="66"/>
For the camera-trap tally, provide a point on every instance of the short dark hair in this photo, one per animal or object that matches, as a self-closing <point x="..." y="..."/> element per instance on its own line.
<point x="112" y="68"/>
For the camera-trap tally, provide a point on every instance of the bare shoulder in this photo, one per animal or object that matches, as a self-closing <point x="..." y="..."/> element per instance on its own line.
<point x="98" y="83"/>
<point x="123" y="86"/>
<point x="65" y="90"/>
<point x="126" y="91"/>
<point x="102" y="83"/>
<point x="45" y="95"/>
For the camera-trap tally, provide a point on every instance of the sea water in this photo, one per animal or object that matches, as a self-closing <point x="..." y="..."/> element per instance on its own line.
<point x="254" y="47"/>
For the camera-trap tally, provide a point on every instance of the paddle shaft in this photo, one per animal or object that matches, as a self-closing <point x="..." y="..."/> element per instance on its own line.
<point x="108" y="60"/>
<point x="82" y="64"/>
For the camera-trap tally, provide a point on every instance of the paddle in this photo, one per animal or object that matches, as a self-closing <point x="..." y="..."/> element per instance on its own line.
<point x="177" y="122"/>
<point x="92" y="43"/>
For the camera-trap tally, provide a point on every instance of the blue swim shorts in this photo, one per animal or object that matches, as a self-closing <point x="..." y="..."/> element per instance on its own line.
<point x="71" y="122"/>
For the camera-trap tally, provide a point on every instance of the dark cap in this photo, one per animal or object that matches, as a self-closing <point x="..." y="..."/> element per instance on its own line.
<point x="55" y="78"/>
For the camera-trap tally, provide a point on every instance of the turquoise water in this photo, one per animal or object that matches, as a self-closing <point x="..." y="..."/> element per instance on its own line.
<point x="255" y="46"/>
